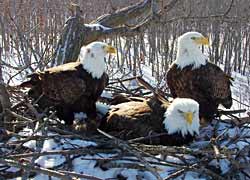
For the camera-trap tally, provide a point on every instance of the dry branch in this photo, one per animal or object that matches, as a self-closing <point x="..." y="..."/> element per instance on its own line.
<point x="4" y="97"/>
<point x="125" y="147"/>
<point x="229" y="112"/>
<point x="79" y="151"/>
<point x="75" y="34"/>
<point x="28" y="167"/>
<point x="123" y="16"/>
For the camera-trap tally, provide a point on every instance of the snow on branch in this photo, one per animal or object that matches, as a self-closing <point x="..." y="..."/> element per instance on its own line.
<point x="76" y="34"/>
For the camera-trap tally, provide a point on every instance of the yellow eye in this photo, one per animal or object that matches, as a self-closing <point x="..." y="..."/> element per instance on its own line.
<point x="103" y="47"/>
<point x="193" y="38"/>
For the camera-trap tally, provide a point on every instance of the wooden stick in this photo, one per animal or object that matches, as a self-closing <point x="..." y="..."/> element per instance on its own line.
<point x="126" y="165"/>
<point x="85" y="176"/>
<point x="28" y="167"/>
<point x="124" y="146"/>
<point x="229" y="112"/>
<point x="78" y="151"/>
<point x="159" y="93"/>
<point x="122" y="80"/>
<point x="147" y="137"/>
<point x="19" y="116"/>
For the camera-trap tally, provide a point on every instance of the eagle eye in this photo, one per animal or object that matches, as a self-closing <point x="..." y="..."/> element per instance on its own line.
<point x="88" y="50"/>
<point x="181" y="112"/>
<point x="193" y="38"/>
<point x="103" y="47"/>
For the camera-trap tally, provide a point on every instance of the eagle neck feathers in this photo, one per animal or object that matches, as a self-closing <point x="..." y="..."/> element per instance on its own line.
<point x="93" y="64"/>
<point x="187" y="56"/>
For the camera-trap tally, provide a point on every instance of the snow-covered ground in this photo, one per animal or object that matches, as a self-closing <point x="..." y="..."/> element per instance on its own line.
<point x="88" y="164"/>
<point x="241" y="91"/>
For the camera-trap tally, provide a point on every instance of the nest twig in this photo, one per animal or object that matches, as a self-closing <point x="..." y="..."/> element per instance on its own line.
<point x="137" y="156"/>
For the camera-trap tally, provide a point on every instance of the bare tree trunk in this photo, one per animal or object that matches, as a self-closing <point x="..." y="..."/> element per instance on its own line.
<point x="76" y="34"/>
<point x="216" y="42"/>
<point x="4" y="95"/>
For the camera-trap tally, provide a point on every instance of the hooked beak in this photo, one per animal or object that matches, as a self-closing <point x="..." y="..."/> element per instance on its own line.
<point x="202" y="41"/>
<point x="189" y="117"/>
<point x="110" y="49"/>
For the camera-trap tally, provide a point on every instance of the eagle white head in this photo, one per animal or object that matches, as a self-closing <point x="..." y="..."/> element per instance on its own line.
<point x="92" y="57"/>
<point x="188" y="51"/>
<point x="182" y="116"/>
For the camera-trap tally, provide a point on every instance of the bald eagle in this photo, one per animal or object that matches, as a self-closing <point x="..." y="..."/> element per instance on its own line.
<point x="192" y="76"/>
<point x="178" y="121"/>
<point x="72" y="87"/>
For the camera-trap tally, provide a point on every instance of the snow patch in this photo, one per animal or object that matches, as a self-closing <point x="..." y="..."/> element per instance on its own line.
<point x="12" y="139"/>
<point x="26" y="132"/>
<point x="80" y="116"/>
<point x="224" y="165"/>
<point x="43" y="177"/>
<point x="30" y="144"/>
<point x="76" y="143"/>
<point x="13" y="169"/>
<point x="192" y="176"/>
<point x="89" y="167"/>
<point x="50" y="161"/>
<point x="106" y="94"/>
<point x="97" y="27"/>
<point x="102" y="108"/>
<point x="241" y="144"/>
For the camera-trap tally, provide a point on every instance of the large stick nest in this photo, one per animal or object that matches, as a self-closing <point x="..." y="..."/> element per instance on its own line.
<point x="37" y="143"/>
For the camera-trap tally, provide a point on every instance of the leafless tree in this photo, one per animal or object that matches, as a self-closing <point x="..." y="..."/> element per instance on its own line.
<point x="34" y="34"/>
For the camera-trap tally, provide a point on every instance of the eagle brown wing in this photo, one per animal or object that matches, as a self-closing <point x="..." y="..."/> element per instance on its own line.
<point x="170" y="80"/>
<point x="129" y="118"/>
<point x="63" y="87"/>
<point x="59" y="85"/>
<point x="208" y="85"/>
<point x="103" y="82"/>
<point x="135" y="118"/>
<point x="69" y="88"/>
<point x="216" y="83"/>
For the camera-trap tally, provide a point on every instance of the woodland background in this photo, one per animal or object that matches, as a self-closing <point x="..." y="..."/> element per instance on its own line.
<point x="33" y="36"/>
<point x="30" y="31"/>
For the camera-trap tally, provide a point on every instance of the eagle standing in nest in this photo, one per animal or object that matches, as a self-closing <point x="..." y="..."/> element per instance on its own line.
<point x="72" y="87"/>
<point x="178" y="121"/>
<point x="192" y="76"/>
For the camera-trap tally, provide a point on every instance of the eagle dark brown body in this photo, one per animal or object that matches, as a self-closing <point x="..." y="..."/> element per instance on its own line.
<point x="208" y="85"/>
<point x="136" y="119"/>
<point x="69" y="88"/>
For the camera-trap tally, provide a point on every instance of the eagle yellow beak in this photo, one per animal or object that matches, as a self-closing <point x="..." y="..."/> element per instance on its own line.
<point x="110" y="49"/>
<point x="189" y="117"/>
<point x="202" y="41"/>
